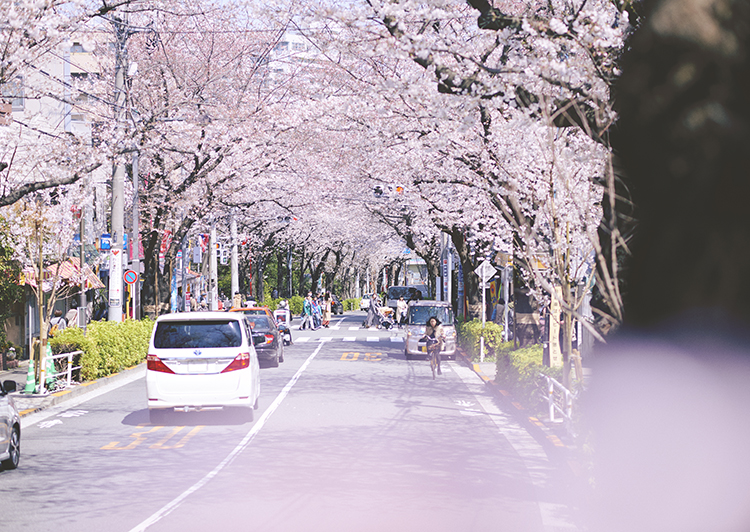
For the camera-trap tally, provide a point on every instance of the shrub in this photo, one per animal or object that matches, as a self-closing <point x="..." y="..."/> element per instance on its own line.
<point x="469" y="334"/>
<point x="108" y="347"/>
<point x="295" y="304"/>
<point x="351" y="304"/>
<point x="517" y="370"/>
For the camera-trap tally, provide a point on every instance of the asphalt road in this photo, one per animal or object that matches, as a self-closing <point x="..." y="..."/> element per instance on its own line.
<point x="350" y="436"/>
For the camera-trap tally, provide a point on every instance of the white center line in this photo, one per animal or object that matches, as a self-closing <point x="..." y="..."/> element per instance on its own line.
<point x="169" y="507"/>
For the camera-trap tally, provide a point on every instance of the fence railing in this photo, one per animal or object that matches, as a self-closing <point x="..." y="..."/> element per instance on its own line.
<point x="68" y="371"/>
<point x="559" y="399"/>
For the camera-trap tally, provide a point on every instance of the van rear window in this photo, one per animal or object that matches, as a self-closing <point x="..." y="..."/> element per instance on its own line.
<point x="192" y="334"/>
<point x="418" y="315"/>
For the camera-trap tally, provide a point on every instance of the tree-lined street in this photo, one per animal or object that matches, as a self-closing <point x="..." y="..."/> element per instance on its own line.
<point x="349" y="436"/>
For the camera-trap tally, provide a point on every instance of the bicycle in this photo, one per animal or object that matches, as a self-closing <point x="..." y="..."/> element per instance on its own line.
<point x="433" y="353"/>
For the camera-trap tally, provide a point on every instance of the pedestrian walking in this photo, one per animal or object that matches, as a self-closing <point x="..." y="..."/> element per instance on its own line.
<point x="316" y="313"/>
<point x="237" y="300"/>
<point x="373" y="319"/>
<point x="307" y="319"/>
<point x="327" y="310"/>
<point x="401" y="308"/>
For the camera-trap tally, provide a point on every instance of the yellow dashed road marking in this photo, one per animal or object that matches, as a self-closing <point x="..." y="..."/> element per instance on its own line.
<point x="140" y="437"/>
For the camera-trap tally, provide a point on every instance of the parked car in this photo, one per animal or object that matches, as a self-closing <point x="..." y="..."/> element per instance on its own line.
<point x="364" y="302"/>
<point x="201" y="361"/>
<point x="336" y="306"/>
<point x="10" y="427"/>
<point x="417" y="314"/>
<point x="254" y="311"/>
<point x="409" y="293"/>
<point x="267" y="338"/>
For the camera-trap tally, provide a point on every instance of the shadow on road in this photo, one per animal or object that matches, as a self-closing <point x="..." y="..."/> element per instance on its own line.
<point x="227" y="416"/>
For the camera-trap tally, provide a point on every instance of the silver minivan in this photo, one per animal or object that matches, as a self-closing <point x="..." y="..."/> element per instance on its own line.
<point x="417" y="314"/>
<point x="10" y="427"/>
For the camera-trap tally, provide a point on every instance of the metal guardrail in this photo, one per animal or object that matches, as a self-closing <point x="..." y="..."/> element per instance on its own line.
<point x="561" y="403"/>
<point x="69" y="371"/>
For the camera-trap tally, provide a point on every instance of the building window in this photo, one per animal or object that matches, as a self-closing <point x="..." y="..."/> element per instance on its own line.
<point x="13" y="91"/>
<point x="77" y="48"/>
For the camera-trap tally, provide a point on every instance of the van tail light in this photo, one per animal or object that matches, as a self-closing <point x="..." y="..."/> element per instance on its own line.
<point x="154" y="363"/>
<point x="241" y="361"/>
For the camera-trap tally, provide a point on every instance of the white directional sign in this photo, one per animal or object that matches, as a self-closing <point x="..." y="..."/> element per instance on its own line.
<point x="485" y="271"/>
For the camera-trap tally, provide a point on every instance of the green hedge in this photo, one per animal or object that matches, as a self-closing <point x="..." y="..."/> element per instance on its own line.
<point x="295" y="304"/>
<point x="108" y="347"/>
<point x="470" y="332"/>
<point x="351" y="304"/>
<point x="517" y="370"/>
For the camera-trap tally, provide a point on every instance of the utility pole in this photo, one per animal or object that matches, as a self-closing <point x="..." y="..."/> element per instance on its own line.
<point x="213" y="289"/>
<point x="235" y="264"/>
<point x="82" y="306"/>
<point x="135" y="242"/>
<point x="82" y="212"/>
<point x="289" y="269"/>
<point x="183" y="274"/>
<point x="118" y="177"/>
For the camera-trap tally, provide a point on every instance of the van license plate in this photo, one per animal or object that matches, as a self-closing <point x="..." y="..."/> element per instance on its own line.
<point x="197" y="366"/>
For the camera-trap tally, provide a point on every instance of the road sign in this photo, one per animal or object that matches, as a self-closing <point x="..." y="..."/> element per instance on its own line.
<point x="130" y="277"/>
<point x="485" y="271"/>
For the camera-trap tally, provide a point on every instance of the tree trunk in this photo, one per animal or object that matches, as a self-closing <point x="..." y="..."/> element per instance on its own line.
<point x="471" y="280"/>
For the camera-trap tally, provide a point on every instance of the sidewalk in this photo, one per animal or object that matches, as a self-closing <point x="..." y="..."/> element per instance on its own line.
<point x="30" y="403"/>
<point x="555" y="433"/>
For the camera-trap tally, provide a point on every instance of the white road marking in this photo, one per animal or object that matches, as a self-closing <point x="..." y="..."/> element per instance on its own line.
<point x="134" y="375"/>
<point x="353" y="328"/>
<point x="325" y="339"/>
<point x="335" y="328"/>
<point x="397" y="339"/>
<point x="373" y="338"/>
<point x="302" y="339"/>
<point x="349" y="339"/>
<point x="48" y="424"/>
<point x="172" y="505"/>
<point x="73" y="413"/>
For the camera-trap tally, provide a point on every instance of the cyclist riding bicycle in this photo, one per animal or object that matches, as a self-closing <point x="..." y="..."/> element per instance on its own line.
<point x="435" y="335"/>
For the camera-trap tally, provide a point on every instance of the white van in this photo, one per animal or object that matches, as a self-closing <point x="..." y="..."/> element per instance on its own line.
<point x="409" y="293"/>
<point x="417" y="315"/>
<point x="201" y="361"/>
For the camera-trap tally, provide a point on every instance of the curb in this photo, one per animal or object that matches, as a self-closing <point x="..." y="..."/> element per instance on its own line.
<point x="49" y="400"/>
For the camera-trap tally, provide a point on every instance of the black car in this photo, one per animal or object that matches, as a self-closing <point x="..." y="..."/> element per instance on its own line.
<point x="336" y="306"/>
<point x="267" y="339"/>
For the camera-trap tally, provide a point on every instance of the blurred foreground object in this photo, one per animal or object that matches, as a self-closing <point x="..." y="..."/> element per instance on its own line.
<point x="669" y="402"/>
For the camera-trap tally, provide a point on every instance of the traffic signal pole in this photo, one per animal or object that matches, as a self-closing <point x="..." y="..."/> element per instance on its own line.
<point x="235" y="265"/>
<point x="213" y="288"/>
